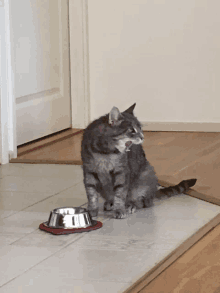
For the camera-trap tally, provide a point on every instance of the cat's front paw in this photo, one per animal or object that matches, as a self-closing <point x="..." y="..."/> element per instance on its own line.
<point x="93" y="212"/>
<point x="131" y="208"/>
<point x="108" y="206"/>
<point x="119" y="214"/>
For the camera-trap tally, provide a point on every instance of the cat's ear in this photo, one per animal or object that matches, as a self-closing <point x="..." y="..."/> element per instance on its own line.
<point x="130" y="109"/>
<point x="114" y="116"/>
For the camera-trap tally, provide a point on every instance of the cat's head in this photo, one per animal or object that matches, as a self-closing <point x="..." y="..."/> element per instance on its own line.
<point x="124" y="128"/>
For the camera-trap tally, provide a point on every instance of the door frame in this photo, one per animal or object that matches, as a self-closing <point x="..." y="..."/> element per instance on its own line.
<point x="8" y="106"/>
<point x="79" y="63"/>
<point x="79" y="72"/>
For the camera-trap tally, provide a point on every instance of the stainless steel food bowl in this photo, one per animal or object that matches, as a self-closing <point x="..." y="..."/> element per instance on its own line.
<point x="69" y="218"/>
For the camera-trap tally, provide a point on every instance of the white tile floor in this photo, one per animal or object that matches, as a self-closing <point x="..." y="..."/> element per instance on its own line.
<point x="105" y="260"/>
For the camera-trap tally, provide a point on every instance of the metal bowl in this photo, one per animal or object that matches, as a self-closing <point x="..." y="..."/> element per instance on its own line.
<point x="69" y="218"/>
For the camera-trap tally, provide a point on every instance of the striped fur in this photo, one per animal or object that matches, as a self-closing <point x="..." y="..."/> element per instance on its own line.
<point x="116" y="168"/>
<point x="182" y="187"/>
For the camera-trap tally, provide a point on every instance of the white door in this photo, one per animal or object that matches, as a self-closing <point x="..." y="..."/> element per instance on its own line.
<point x="40" y="35"/>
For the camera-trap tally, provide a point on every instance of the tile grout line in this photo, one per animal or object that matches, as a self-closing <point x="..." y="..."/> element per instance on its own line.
<point x="55" y="253"/>
<point x="39" y="262"/>
<point x="24" y="236"/>
<point x="38" y="201"/>
<point x="31" y="231"/>
<point x="34" y="192"/>
<point x="46" y="257"/>
<point x="14" y="175"/>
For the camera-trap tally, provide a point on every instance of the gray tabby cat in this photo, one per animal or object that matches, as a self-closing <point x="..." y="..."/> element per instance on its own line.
<point x="115" y="166"/>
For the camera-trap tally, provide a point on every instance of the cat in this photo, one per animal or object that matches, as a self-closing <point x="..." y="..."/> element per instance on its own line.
<point x="115" y="166"/>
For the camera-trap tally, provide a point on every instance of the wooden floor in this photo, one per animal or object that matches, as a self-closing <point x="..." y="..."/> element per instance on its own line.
<point x="189" y="267"/>
<point x="61" y="148"/>
<point x="175" y="156"/>
<point x="196" y="271"/>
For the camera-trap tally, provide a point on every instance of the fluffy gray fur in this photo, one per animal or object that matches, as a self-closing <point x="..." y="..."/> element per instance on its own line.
<point x="115" y="166"/>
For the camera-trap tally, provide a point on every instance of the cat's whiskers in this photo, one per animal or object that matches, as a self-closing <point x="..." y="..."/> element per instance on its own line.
<point x="126" y="182"/>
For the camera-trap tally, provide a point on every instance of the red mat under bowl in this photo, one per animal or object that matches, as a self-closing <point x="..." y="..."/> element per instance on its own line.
<point x="58" y="231"/>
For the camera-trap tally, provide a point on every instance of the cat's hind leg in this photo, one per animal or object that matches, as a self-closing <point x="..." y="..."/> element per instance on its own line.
<point x="141" y="197"/>
<point x="142" y="192"/>
<point x="136" y="199"/>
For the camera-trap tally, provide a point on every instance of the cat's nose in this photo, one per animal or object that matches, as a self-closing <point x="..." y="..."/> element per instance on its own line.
<point x="142" y="135"/>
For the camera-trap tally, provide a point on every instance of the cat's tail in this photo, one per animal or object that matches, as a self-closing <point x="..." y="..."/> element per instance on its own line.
<point x="182" y="187"/>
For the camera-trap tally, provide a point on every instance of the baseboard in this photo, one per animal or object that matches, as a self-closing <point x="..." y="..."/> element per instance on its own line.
<point x="181" y="126"/>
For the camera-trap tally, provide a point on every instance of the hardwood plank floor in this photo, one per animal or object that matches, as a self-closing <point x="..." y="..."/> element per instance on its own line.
<point x="180" y="156"/>
<point x="47" y="141"/>
<point x="175" y="156"/>
<point x="196" y="271"/>
<point x="170" y="152"/>
<point x="64" y="150"/>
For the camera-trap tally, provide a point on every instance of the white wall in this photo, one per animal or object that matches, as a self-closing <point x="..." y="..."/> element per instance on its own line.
<point x="164" y="55"/>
